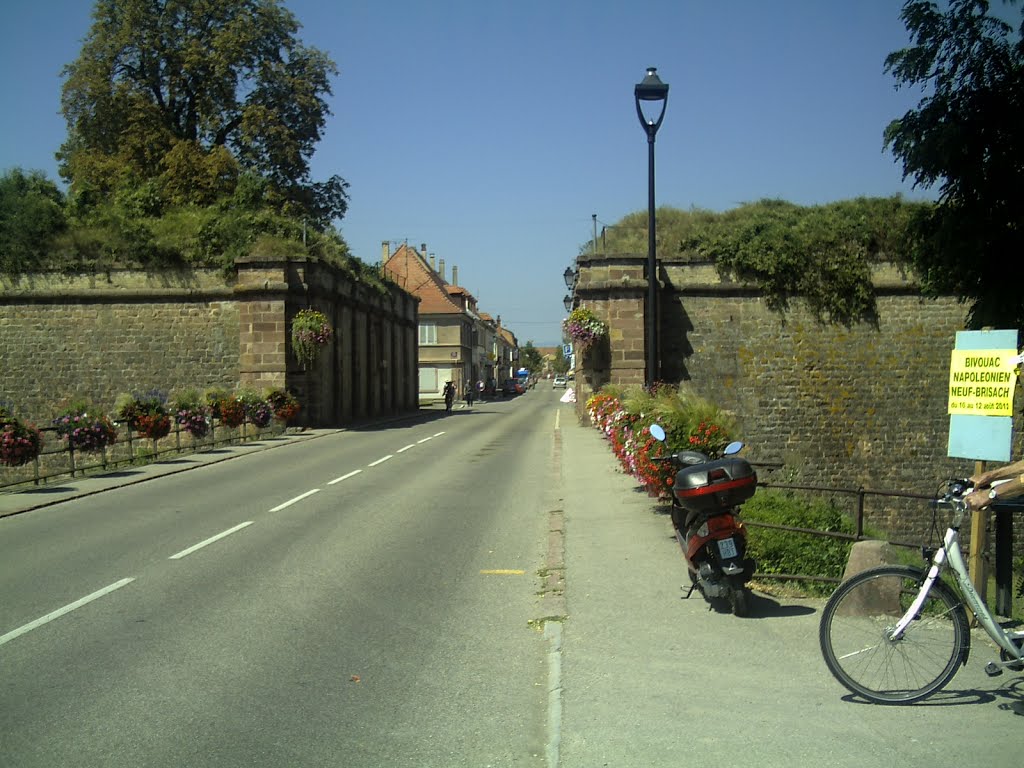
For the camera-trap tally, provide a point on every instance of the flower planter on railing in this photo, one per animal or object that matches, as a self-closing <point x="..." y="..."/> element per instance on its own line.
<point x="20" y="442"/>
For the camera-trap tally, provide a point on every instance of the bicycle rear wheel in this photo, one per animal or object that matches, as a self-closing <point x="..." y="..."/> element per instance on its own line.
<point x="858" y="619"/>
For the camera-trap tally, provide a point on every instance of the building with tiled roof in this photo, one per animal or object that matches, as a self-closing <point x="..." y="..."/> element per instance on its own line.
<point x="457" y="343"/>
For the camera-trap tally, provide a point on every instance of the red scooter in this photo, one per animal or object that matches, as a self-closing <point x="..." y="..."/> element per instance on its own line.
<point x="706" y="497"/>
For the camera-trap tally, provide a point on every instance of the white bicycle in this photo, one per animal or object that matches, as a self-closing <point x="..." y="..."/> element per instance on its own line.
<point x="896" y="634"/>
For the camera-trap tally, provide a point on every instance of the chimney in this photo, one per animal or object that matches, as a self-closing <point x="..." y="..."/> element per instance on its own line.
<point x="440" y="268"/>
<point x="423" y="251"/>
<point x="455" y="275"/>
<point x="433" y="267"/>
<point x="385" y="251"/>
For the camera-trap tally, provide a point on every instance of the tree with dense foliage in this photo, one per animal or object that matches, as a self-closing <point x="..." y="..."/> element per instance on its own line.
<point x="530" y="358"/>
<point x="172" y="102"/>
<point x="967" y="136"/>
<point x="31" y="217"/>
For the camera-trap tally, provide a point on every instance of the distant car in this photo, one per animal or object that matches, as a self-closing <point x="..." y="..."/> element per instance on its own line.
<point x="560" y="381"/>
<point x="511" y="387"/>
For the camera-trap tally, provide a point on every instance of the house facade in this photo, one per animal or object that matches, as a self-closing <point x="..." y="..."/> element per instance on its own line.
<point x="457" y="342"/>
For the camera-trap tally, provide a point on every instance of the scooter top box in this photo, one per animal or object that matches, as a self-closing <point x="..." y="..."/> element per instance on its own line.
<point x="715" y="486"/>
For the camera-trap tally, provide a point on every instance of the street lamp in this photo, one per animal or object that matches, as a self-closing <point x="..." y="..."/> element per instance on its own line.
<point x="569" y="276"/>
<point x="653" y="90"/>
<point x="567" y="303"/>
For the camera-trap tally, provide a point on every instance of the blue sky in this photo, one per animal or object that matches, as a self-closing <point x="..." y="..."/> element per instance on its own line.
<point x="492" y="130"/>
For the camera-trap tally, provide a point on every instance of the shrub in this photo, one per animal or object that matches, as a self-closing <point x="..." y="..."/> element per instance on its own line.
<point x="788" y="552"/>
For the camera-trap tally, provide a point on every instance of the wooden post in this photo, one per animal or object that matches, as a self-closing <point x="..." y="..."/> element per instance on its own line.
<point x="975" y="562"/>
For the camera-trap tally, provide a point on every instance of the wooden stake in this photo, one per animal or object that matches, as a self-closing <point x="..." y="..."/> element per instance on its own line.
<point x="975" y="561"/>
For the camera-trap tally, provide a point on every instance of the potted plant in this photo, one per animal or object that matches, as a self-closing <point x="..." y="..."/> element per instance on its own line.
<point x="146" y="414"/>
<point x="310" y="333"/>
<point x="20" y="442"/>
<point x="85" y="428"/>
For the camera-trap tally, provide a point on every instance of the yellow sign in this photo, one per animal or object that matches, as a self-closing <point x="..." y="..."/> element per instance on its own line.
<point x="981" y="381"/>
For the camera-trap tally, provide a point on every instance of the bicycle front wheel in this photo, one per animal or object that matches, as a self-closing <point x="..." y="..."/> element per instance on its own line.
<point x="855" y="630"/>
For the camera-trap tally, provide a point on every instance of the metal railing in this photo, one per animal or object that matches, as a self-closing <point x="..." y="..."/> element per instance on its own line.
<point x="1003" y="555"/>
<point x="59" y="460"/>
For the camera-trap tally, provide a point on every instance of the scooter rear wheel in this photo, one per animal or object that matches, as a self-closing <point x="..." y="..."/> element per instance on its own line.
<point x="739" y="601"/>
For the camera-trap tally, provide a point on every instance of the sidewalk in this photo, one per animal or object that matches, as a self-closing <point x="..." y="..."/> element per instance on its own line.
<point x="60" y="489"/>
<point x="650" y="679"/>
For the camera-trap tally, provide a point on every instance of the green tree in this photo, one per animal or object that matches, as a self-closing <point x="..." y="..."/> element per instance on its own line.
<point x="530" y="358"/>
<point x="31" y="217"/>
<point x="191" y="94"/>
<point x="967" y="136"/>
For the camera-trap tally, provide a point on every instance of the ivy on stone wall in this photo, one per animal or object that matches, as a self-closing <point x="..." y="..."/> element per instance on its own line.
<point x="820" y="255"/>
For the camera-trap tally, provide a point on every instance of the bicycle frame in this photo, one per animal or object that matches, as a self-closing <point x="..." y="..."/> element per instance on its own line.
<point x="949" y="554"/>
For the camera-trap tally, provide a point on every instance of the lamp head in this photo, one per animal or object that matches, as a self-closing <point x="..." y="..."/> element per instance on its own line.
<point x="653" y="90"/>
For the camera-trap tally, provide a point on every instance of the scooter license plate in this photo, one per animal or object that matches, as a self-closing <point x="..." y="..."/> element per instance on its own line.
<point x="727" y="548"/>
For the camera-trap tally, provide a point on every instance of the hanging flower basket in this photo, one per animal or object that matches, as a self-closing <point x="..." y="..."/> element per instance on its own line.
<point x="232" y="411"/>
<point x="194" y="421"/>
<point x="146" y="414"/>
<point x="20" y="442"/>
<point x="310" y="334"/>
<point x="84" y="432"/>
<point x="284" y="404"/>
<point x="584" y="328"/>
<point x="259" y="414"/>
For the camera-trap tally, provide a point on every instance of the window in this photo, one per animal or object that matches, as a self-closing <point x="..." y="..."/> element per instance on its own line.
<point x="428" y="333"/>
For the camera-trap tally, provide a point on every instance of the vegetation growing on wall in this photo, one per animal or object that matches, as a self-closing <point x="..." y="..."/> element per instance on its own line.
<point x="819" y="254"/>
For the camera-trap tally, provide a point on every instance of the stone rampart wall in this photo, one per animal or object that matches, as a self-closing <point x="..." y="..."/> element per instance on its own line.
<point x="95" y="336"/>
<point x="858" y="407"/>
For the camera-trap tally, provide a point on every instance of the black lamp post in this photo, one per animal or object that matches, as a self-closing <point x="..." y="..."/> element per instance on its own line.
<point x="569" y="276"/>
<point x="653" y="90"/>
<point x="567" y="303"/>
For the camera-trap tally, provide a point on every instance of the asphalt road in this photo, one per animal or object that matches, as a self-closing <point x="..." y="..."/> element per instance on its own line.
<point x="362" y="599"/>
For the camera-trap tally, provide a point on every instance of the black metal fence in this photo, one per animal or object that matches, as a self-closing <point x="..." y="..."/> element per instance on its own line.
<point x="59" y="460"/>
<point x="998" y="553"/>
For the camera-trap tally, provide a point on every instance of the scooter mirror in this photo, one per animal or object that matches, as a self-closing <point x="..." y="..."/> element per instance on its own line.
<point x="732" y="448"/>
<point x="658" y="433"/>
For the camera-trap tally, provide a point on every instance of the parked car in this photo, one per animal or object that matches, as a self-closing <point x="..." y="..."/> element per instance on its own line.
<point x="560" y="381"/>
<point x="511" y="387"/>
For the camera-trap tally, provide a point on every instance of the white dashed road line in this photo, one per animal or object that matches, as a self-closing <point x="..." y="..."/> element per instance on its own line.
<point x="201" y="544"/>
<point x="300" y="497"/>
<point x="344" y="477"/>
<point x="61" y="611"/>
<point x="185" y="552"/>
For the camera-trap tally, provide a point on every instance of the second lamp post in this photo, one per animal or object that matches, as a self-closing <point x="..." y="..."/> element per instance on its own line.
<point x="652" y="90"/>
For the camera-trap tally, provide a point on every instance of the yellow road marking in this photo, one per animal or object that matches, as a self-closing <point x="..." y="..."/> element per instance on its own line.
<point x="502" y="572"/>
